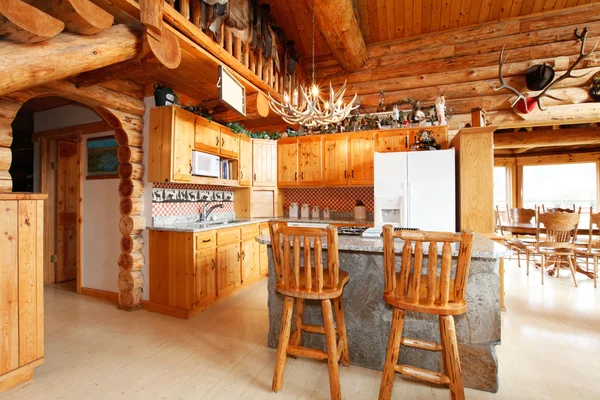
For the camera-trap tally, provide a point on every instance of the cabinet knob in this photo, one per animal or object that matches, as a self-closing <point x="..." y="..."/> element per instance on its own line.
<point x="345" y="174"/>
<point x="222" y="142"/>
<point x="352" y="174"/>
<point x="206" y="241"/>
<point x="213" y="264"/>
<point x="295" y="176"/>
<point x="217" y="143"/>
<point x="241" y="174"/>
<point x="302" y="175"/>
<point x="238" y="256"/>
<point x="255" y="176"/>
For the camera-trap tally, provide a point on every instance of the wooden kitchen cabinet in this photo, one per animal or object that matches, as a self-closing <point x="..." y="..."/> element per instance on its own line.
<point x="264" y="163"/>
<point x="263" y="258"/>
<point x="394" y="140"/>
<point x="287" y="162"/>
<point x="171" y="144"/>
<point x="245" y="161"/>
<point x="206" y="272"/>
<point x="228" y="268"/>
<point x="440" y="133"/>
<point x="250" y="260"/>
<point x="310" y="165"/>
<point x="207" y="136"/>
<point x="362" y="152"/>
<point x="335" y="160"/>
<point x="230" y="143"/>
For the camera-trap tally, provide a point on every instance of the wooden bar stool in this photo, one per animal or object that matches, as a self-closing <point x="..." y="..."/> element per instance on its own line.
<point x="303" y="281"/>
<point x="412" y="290"/>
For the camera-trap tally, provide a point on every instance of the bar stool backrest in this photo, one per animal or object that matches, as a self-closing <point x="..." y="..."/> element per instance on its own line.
<point x="413" y="286"/>
<point x="304" y="274"/>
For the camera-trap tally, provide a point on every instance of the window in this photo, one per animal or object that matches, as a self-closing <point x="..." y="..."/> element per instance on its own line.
<point x="501" y="193"/>
<point x="560" y="185"/>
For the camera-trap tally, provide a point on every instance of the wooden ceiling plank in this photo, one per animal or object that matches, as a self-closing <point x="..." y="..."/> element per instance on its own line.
<point x="408" y="18"/>
<point x="516" y="8"/>
<point x="549" y="5"/>
<point x="436" y="15"/>
<point x="390" y="12"/>
<point x="365" y="26"/>
<point x="484" y="12"/>
<point x="417" y="14"/>
<point x="445" y="15"/>
<point x="560" y="4"/>
<point x="398" y="20"/>
<point x="455" y="14"/>
<point x="527" y="7"/>
<point x="426" y="9"/>
<point x="382" y="20"/>
<point x="495" y="10"/>
<point x="373" y="21"/>
<point x="537" y="6"/>
<point x="475" y="10"/>
<point x="465" y="10"/>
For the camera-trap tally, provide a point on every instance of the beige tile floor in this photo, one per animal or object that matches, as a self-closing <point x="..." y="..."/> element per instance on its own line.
<point x="550" y="350"/>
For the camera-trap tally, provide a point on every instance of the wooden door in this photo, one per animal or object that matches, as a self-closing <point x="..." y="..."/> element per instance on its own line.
<point x="245" y="163"/>
<point x="335" y="160"/>
<point x="250" y="260"/>
<point x="287" y="162"/>
<point x="228" y="268"/>
<point x="392" y="141"/>
<point x="264" y="163"/>
<point x="230" y="143"/>
<point x="206" y="270"/>
<point x="207" y="136"/>
<point x="183" y="144"/>
<point x="310" y="163"/>
<point x="263" y="258"/>
<point x="67" y="201"/>
<point x="362" y="152"/>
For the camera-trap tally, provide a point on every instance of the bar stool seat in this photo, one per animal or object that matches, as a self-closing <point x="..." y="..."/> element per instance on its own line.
<point x="302" y="279"/>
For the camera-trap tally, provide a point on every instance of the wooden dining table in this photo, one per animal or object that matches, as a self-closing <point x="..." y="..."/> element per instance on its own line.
<point x="529" y="228"/>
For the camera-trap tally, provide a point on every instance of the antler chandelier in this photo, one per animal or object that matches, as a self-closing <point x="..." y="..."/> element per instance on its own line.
<point x="313" y="110"/>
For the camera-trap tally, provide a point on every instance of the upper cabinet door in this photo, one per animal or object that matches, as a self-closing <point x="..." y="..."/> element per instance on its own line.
<point x="439" y="133"/>
<point x="362" y="158"/>
<point x="264" y="163"/>
<point x="245" y="173"/>
<point x="208" y="136"/>
<point x="183" y="144"/>
<point x="310" y="157"/>
<point x="230" y="143"/>
<point x="287" y="162"/>
<point x="335" y="160"/>
<point x="391" y="141"/>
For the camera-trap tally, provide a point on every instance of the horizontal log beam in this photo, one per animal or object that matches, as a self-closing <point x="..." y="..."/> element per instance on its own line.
<point x="547" y="138"/>
<point x="81" y="129"/>
<point x="24" y="66"/>
<point x="21" y="22"/>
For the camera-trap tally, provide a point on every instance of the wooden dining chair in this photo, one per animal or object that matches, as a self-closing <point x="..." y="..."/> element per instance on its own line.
<point x="301" y="275"/>
<point x="556" y="242"/>
<point x="558" y="209"/>
<point x="420" y="289"/>
<point x="514" y="244"/>
<point x="518" y="215"/>
<point x="592" y="248"/>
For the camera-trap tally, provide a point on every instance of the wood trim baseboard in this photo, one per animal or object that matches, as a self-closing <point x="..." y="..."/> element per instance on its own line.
<point x="113" y="297"/>
<point x="162" y="309"/>
<point x="19" y="375"/>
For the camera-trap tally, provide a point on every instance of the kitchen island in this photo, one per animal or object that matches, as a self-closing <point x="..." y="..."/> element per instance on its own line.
<point x="368" y="318"/>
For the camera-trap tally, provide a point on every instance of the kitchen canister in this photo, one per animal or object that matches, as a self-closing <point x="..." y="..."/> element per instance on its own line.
<point x="305" y="211"/>
<point x="294" y="210"/>
<point x="316" y="211"/>
<point x="326" y="213"/>
<point x="360" y="211"/>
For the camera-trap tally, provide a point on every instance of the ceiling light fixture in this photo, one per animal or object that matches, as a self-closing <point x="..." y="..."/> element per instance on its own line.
<point x="314" y="111"/>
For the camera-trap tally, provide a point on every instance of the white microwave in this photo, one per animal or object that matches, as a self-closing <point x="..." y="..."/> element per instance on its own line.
<point x="205" y="164"/>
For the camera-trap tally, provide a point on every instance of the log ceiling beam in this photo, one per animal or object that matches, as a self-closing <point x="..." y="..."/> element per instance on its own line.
<point x="73" y="130"/>
<point x="337" y="23"/>
<point x="66" y="55"/>
<point x="79" y="16"/>
<point x="548" y="138"/>
<point x="21" y="22"/>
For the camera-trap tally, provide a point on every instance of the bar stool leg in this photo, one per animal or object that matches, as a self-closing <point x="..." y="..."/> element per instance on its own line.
<point x="332" y="359"/>
<point x="451" y="358"/>
<point x="392" y="355"/>
<point x="296" y="337"/>
<point x="284" y="338"/>
<point x="340" y="321"/>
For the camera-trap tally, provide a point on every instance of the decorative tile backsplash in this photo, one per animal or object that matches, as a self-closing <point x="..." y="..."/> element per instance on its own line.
<point x="183" y="203"/>
<point x="336" y="198"/>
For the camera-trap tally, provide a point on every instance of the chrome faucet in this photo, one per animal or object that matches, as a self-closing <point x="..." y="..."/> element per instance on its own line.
<point x="206" y="211"/>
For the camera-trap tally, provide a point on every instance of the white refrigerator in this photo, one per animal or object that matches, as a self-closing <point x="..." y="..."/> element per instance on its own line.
<point x="416" y="190"/>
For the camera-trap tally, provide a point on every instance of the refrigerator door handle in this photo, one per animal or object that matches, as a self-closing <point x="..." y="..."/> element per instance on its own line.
<point x="407" y="206"/>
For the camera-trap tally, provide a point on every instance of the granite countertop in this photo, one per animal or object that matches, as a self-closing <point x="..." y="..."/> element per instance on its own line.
<point x="202" y="227"/>
<point x="482" y="246"/>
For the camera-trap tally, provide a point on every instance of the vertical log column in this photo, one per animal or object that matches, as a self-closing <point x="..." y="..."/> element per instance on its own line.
<point x="131" y="188"/>
<point x="8" y="110"/>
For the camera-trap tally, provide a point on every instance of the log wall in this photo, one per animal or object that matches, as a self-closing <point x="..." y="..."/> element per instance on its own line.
<point x="123" y="111"/>
<point x="462" y="64"/>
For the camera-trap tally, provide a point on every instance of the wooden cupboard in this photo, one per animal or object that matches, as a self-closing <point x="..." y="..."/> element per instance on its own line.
<point x="230" y="143"/>
<point x="171" y="144"/>
<point x="335" y="160"/>
<point x="264" y="163"/>
<point x="287" y="162"/>
<point x="188" y="271"/>
<point x="208" y="136"/>
<point x="245" y="161"/>
<point x="394" y="140"/>
<point x="310" y="161"/>
<point x="263" y="257"/>
<point x="21" y="287"/>
<point x="362" y="158"/>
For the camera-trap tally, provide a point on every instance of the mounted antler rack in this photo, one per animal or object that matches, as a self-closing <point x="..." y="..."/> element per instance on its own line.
<point x="527" y="103"/>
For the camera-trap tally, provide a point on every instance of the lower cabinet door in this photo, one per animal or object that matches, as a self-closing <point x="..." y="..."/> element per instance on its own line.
<point x="206" y="270"/>
<point x="228" y="268"/>
<point x="250" y="260"/>
<point x="263" y="258"/>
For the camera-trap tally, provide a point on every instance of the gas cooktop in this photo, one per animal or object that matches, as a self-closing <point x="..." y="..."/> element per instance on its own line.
<point x="367" y="232"/>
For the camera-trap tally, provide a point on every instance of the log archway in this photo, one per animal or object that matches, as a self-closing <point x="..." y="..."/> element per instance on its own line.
<point x="124" y="114"/>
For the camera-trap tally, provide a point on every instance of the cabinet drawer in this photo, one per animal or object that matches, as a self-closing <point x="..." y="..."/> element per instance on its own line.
<point x="249" y="231"/>
<point x="204" y="240"/>
<point x="225" y="236"/>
